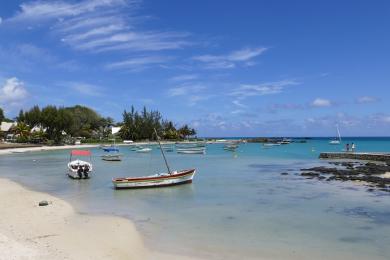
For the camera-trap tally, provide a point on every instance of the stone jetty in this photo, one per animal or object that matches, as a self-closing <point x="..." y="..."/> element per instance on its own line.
<point x="384" y="157"/>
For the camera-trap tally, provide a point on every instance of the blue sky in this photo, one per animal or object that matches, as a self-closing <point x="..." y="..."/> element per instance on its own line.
<point x="227" y="68"/>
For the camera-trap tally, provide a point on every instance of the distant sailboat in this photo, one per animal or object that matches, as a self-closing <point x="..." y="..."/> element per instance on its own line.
<point x="336" y="141"/>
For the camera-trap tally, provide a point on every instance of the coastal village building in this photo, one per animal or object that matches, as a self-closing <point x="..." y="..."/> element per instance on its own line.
<point x="5" y="129"/>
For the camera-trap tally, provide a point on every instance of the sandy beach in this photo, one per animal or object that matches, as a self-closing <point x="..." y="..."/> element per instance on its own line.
<point x="56" y="231"/>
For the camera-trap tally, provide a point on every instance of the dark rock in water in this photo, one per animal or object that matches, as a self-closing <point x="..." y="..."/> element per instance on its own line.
<point x="310" y="174"/>
<point x="284" y="173"/>
<point x="43" y="203"/>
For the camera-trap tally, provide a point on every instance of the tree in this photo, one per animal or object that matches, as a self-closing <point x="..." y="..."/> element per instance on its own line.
<point x="56" y="122"/>
<point x="33" y="117"/>
<point x="85" y="121"/>
<point x="2" y="117"/>
<point x="20" y="117"/>
<point x="139" y="126"/>
<point x="22" y="131"/>
<point x="184" y="131"/>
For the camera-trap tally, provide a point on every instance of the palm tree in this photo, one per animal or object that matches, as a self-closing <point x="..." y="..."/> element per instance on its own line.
<point x="22" y="130"/>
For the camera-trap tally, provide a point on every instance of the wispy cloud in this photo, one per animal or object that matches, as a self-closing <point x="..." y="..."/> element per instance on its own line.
<point x="247" y="90"/>
<point x="39" y="10"/>
<point x="98" y="25"/>
<point x="185" y="77"/>
<point x="366" y="100"/>
<point x="12" y="92"/>
<point x="185" y="90"/>
<point x="230" y="60"/>
<point x="138" y="63"/>
<point x="84" y="88"/>
<point x="321" y="102"/>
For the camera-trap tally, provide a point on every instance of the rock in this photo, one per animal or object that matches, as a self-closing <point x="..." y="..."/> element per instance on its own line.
<point x="310" y="174"/>
<point x="284" y="173"/>
<point x="43" y="203"/>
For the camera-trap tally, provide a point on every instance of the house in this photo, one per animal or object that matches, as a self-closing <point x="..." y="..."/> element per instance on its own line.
<point x="115" y="129"/>
<point x="5" y="129"/>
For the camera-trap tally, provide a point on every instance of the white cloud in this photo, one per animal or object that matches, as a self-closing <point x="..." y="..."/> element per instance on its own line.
<point x="98" y="25"/>
<point x="185" y="90"/>
<point x="84" y="88"/>
<point x="138" y="63"/>
<point x="366" y="99"/>
<point x="186" y="77"/>
<point x="12" y="92"/>
<point x="239" y="104"/>
<point x="1" y="20"/>
<point x="321" y="102"/>
<point x="230" y="60"/>
<point x="246" y="90"/>
<point x="39" y="10"/>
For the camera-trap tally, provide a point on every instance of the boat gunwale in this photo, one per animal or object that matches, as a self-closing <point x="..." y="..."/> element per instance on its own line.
<point x="145" y="178"/>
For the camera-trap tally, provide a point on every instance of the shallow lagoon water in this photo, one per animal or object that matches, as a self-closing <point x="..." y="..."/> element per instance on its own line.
<point x="239" y="205"/>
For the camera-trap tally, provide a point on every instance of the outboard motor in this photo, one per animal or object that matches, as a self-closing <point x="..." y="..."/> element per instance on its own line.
<point x="86" y="171"/>
<point x="80" y="171"/>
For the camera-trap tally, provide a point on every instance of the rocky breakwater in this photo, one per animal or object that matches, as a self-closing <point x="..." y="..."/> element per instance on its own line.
<point x="375" y="175"/>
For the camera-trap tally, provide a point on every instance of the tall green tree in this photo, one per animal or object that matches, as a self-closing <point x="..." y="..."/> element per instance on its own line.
<point x="2" y="117"/>
<point x="33" y="117"/>
<point x="85" y="121"/>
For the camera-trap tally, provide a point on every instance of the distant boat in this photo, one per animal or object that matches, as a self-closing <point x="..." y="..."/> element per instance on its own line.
<point x="156" y="180"/>
<point x="111" y="153"/>
<point x="336" y="141"/>
<point x="190" y="145"/>
<point x="110" y="149"/>
<point x="191" y="151"/>
<point x="144" y="150"/>
<point x="285" y="141"/>
<point x="271" y="144"/>
<point x="167" y="148"/>
<point x="78" y="169"/>
<point x="230" y="147"/>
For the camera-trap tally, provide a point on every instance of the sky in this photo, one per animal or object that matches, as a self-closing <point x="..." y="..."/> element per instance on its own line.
<point x="226" y="68"/>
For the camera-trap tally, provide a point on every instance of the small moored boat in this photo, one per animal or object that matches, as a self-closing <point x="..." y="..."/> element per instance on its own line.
<point x="156" y="180"/>
<point x="78" y="169"/>
<point x="144" y="150"/>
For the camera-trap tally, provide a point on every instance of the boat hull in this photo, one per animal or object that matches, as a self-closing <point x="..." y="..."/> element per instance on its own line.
<point x="160" y="180"/>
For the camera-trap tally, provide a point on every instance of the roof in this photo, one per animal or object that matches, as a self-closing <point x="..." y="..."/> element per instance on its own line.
<point x="81" y="152"/>
<point x="6" y="126"/>
<point x="115" y="129"/>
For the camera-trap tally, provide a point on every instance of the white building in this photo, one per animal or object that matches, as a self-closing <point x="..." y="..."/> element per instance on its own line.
<point x="115" y="129"/>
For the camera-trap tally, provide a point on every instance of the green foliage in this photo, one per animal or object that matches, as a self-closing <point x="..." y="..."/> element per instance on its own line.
<point x="141" y="125"/>
<point x="2" y="117"/>
<point x="85" y="120"/>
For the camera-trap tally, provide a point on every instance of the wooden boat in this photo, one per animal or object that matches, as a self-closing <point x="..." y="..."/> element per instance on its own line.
<point x="78" y="169"/>
<point x="156" y="180"/>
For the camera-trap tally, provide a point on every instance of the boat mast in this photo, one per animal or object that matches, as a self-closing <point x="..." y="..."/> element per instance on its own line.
<point x="162" y="151"/>
<point x="338" y="132"/>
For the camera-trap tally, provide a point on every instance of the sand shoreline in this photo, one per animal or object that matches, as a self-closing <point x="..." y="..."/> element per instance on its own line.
<point x="56" y="231"/>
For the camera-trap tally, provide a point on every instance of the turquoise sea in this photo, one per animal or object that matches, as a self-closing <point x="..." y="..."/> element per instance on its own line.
<point x="239" y="205"/>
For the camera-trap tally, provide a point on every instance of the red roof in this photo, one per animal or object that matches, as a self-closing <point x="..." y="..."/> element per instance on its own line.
<point x="81" y="152"/>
